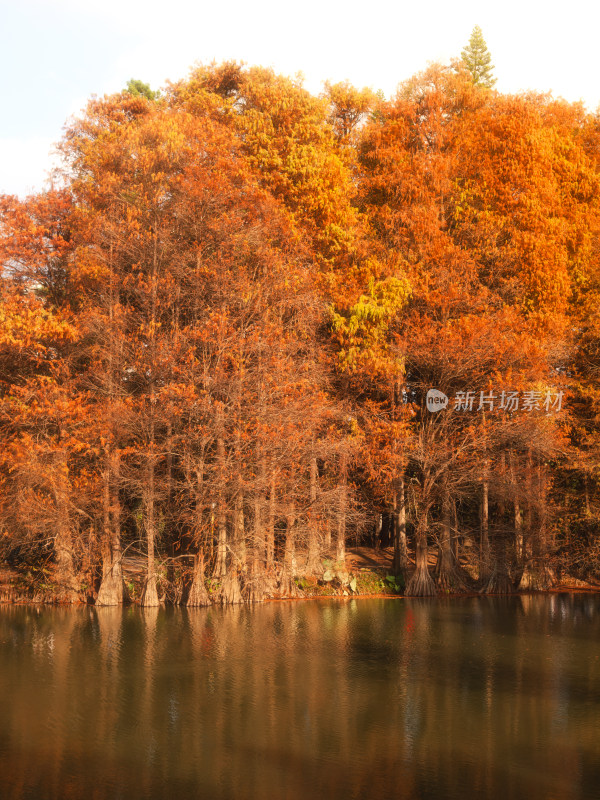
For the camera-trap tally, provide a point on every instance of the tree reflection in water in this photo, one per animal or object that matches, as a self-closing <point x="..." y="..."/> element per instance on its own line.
<point x="481" y="697"/>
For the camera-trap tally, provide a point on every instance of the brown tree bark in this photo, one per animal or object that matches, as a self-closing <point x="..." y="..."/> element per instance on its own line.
<point x="112" y="588"/>
<point x="400" y="559"/>
<point x="518" y="519"/>
<point x="313" y="564"/>
<point x="112" y="591"/>
<point x="149" y="597"/>
<point x="289" y="569"/>
<point x="220" y="569"/>
<point x="270" y="532"/>
<point x="198" y="594"/>
<point x="255" y="589"/>
<point x="420" y="583"/>
<point x="484" y="543"/>
<point x="537" y="574"/>
<point x="63" y="540"/>
<point x="448" y="576"/>
<point x="340" y="554"/>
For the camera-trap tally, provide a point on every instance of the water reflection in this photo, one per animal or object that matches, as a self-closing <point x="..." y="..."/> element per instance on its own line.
<point x="483" y="697"/>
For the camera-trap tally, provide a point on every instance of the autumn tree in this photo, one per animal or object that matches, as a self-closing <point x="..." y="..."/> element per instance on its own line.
<point x="218" y="337"/>
<point x="198" y="271"/>
<point x="39" y="419"/>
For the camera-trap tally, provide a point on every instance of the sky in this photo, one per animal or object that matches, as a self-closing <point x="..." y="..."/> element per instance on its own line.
<point x="55" y="54"/>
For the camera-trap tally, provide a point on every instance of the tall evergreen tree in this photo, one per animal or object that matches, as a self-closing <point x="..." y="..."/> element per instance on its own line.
<point x="478" y="60"/>
<point x="138" y="88"/>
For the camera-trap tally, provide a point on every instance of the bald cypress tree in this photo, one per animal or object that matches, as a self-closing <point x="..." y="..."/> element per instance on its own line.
<point x="478" y="60"/>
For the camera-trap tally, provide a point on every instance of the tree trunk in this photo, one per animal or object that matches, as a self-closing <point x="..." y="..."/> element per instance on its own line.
<point x="313" y="564"/>
<point x="239" y="545"/>
<point x="149" y="597"/>
<point x="448" y="576"/>
<point x="400" y="561"/>
<point x="268" y="578"/>
<point x="518" y="520"/>
<point x="499" y="581"/>
<point x="255" y="583"/>
<point x="340" y="555"/>
<point x="221" y="562"/>
<point x="198" y="595"/>
<point x="455" y="540"/>
<point x="112" y="591"/>
<point x="287" y="584"/>
<point x="150" y="594"/>
<point x="484" y="544"/>
<point x="421" y="584"/>
<point x="537" y="574"/>
<point x="529" y="507"/>
<point x="586" y="488"/>
<point x="230" y="592"/>
<point x="378" y="532"/>
<point x="270" y="533"/>
<point x="528" y="578"/>
<point x="63" y="541"/>
<point x="112" y="588"/>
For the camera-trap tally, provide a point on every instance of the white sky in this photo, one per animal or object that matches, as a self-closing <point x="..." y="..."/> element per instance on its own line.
<point x="55" y="53"/>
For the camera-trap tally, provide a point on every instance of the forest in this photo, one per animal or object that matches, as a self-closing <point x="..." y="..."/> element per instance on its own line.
<point x="221" y="324"/>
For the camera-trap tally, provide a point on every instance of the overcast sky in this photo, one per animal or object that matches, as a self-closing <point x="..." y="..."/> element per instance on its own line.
<point x="56" y="53"/>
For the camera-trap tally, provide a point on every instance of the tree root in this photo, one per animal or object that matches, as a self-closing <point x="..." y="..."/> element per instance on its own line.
<point x="287" y="585"/>
<point x="198" y="594"/>
<point x="149" y="597"/>
<point x="420" y="584"/>
<point x="314" y="567"/>
<point x="67" y="594"/>
<point x="499" y="582"/>
<point x="449" y="577"/>
<point x="254" y="590"/>
<point x="112" y="591"/>
<point x="229" y="593"/>
<point x="537" y="578"/>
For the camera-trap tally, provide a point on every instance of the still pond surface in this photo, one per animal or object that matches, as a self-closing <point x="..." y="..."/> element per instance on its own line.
<point x="474" y="698"/>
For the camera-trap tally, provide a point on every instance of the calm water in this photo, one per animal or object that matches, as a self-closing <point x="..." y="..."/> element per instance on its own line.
<point x="476" y="698"/>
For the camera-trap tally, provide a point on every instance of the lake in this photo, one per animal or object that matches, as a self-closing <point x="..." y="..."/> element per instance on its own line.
<point x="358" y="698"/>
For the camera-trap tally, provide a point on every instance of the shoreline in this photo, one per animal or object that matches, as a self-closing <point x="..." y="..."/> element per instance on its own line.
<point x="566" y="588"/>
<point x="368" y="569"/>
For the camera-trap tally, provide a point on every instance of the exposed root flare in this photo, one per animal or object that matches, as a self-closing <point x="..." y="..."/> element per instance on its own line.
<point x="149" y="597"/>
<point x="269" y="584"/>
<point x="537" y="578"/>
<point x="254" y="590"/>
<point x="420" y="584"/>
<point x="112" y="590"/>
<point x="314" y="567"/>
<point x="451" y="580"/>
<point x="499" y="582"/>
<point x="448" y="575"/>
<point x="198" y="594"/>
<point x="67" y="594"/>
<point x="230" y="592"/>
<point x="287" y="585"/>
